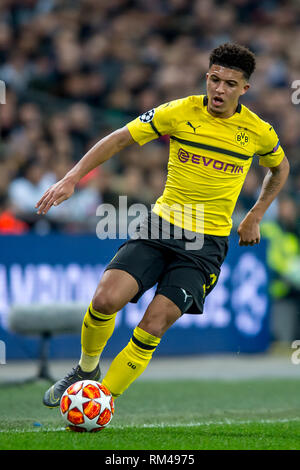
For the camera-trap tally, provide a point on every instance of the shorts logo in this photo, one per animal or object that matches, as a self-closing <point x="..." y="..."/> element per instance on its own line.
<point x="242" y="138"/>
<point x="186" y="296"/>
<point x="147" y="116"/>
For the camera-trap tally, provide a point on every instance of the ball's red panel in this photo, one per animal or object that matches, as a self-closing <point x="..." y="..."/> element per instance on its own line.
<point x="74" y="389"/>
<point x="112" y="405"/>
<point x="105" y="390"/>
<point x="65" y="403"/>
<point x="75" y="416"/>
<point x="76" y="428"/>
<point x="91" y="409"/>
<point x="104" y="417"/>
<point x="91" y="391"/>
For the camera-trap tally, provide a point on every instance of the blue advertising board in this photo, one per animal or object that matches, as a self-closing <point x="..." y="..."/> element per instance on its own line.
<point x="65" y="268"/>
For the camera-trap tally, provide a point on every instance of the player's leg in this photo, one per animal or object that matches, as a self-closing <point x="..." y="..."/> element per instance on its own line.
<point x="114" y="291"/>
<point x="182" y="287"/>
<point x="135" y="357"/>
<point x="135" y="268"/>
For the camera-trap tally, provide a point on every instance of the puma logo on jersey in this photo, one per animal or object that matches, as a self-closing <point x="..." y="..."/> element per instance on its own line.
<point x="191" y="125"/>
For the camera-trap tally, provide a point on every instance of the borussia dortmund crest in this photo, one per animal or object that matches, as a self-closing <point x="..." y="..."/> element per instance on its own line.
<point x="242" y="138"/>
<point x="148" y="116"/>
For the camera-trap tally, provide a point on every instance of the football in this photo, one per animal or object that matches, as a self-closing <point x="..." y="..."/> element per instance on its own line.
<point x="87" y="406"/>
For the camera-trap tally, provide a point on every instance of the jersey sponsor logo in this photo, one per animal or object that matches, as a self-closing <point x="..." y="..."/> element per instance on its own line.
<point x="147" y="116"/>
<point x="242" y="138"/>
<point x="184" y="157"/>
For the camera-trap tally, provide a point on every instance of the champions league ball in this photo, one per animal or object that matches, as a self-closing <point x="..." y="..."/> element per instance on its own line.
<point x="87" y="406"/>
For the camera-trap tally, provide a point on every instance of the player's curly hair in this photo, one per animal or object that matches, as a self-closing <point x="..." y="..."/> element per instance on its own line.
<point x="234" y="56"/>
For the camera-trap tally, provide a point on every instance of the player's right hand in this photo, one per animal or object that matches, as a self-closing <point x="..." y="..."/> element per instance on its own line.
<point x="56" y="194"/>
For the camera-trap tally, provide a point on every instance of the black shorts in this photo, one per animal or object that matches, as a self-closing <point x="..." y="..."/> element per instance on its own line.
<point x="167" y="262"/>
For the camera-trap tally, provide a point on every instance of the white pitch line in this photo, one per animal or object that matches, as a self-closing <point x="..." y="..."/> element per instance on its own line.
<point x="171" y="425"/>
<point x="216" y="423"/>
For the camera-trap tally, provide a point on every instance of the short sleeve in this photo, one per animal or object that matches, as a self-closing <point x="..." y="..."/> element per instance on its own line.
<point x="155" y="123"/>
<point x="270" y="151"/>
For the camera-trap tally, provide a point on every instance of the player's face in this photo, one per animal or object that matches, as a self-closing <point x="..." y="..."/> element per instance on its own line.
<point x="224" y="87"/>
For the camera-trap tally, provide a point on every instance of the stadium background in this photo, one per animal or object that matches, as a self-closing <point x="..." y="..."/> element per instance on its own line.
<point x="75" y="71"/>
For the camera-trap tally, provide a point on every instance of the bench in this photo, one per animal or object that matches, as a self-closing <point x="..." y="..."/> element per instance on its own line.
<point x="45" y="321"/>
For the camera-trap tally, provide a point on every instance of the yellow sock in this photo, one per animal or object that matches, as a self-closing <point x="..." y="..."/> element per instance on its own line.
<point x="96" y="330"/>
<point x="130" y="362"/>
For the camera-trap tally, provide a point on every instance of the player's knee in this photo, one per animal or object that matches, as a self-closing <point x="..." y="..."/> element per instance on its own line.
<point x="105" y="302"/>
<point x="156" y="329"/>
<point x="158" y="319"/>
<point x="157" y="326"/>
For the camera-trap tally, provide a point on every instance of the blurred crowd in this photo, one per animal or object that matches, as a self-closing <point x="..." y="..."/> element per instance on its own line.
<point x="76" y="70"/>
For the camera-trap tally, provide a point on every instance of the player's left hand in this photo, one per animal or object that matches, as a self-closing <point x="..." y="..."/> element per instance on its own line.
<point x="249" y="231"/>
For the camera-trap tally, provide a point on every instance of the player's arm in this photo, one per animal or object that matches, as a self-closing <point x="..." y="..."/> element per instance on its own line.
<point x="102" y="151"/>
<point x="273" y="182"/>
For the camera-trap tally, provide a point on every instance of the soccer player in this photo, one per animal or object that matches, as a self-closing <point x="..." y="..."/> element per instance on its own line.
<point x="213" y="140"/>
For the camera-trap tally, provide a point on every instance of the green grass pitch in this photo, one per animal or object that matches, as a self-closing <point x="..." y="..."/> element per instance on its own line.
<point x="164" y="415"/>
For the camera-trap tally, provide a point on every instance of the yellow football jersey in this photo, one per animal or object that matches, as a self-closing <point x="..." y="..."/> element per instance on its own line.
<point x="208" y="161"/>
